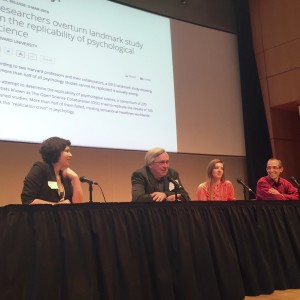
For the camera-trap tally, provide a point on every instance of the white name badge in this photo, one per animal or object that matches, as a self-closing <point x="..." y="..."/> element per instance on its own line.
<point x="53" y="185"/>
<point x="171" y="186"/>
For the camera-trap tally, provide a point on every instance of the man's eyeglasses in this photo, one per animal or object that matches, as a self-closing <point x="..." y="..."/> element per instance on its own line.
<point x="273" y="168"/>
<point x="162" y="162"/>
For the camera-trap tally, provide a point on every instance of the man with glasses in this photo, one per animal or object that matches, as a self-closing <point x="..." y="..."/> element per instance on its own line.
<point x="156" y="181"/>
<point x="273" y="187"/>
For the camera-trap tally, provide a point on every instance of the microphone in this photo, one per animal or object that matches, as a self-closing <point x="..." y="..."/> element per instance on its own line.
<point x="91" y="182"/>
<point x="295" y="181"/>
<point x="245" y="186"/>
<point x="84" y="179"/>
<point x="177" y="185"/>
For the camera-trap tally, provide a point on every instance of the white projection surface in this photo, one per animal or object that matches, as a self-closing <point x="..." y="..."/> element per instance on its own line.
<point x="95" y="72"/>
<point x="106" y="75"/>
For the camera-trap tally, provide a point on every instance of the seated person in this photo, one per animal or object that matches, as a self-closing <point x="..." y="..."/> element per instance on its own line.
<point x="153" y="182"/>
<point x="215" y="187"/>
<point x="272" y="186"/>
<point x="51" y="181"/>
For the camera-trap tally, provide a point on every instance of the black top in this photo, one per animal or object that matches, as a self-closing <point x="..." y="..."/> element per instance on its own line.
<point x="40" y="184"/>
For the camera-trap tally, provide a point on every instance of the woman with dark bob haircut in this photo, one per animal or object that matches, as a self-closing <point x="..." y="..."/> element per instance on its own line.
<point x="51" y="181"/>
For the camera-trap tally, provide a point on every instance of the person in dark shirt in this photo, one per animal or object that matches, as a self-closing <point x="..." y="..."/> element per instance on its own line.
<point x="272" y="186"/>
<point x="156" y="181"/>
<point x="51" y="181"/>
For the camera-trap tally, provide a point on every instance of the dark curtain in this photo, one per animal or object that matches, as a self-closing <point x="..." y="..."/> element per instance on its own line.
<point x="257" y="140"/>
<point x="167" y="251"/>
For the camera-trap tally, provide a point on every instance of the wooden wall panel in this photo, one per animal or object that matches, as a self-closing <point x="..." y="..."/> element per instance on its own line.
<point x="285" y="88"/>
<point x="112" y="169"/>
<point x="280" y="21"/>
<point x="284" y="124"/>
<point x="288" y="151"/>
<point x="261" y="64"/>
<point x="265" y="95"/>
<point x="283" y="57"/>
<point x="276" y="40"/>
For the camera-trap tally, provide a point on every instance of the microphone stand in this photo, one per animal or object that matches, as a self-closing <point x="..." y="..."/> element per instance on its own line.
<point x="91" y="191"/>
<point x="249" y="192"/>
<point x="297" y="185"/>
<point x="244" y="192"/>
<point x="245" y="187"/>
<point x="175" y="191"/>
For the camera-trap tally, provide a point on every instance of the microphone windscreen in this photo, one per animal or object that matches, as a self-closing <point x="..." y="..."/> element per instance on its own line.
<point x="82" y="179"/>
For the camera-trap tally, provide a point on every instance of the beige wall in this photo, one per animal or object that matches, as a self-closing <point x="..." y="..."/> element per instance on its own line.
<point x="276" y="39"/>
<point x="110" y="168"/>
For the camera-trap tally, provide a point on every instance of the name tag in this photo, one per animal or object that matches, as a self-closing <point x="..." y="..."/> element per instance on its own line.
<point x="53" y="185"/>
<point x="171" y="186"/>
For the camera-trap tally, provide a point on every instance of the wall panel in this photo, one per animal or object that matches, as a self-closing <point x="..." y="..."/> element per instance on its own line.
<point x="112" y="169"/>
<point x="276" y="27"/>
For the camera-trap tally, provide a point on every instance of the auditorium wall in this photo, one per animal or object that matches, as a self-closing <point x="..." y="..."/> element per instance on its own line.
<point x="276" y="39"/>
<point x="110" y="168"/>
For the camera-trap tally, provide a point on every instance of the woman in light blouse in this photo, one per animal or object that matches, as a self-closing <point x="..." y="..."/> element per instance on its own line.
<point x="216" y="187"/>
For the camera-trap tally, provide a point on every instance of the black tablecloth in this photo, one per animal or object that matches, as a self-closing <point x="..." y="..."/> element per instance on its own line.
<point x="149" y="251"/>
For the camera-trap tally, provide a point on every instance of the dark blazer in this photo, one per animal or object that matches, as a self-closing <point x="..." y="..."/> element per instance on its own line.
<point x="36" y="184"/>
<point x="143" y="184"/>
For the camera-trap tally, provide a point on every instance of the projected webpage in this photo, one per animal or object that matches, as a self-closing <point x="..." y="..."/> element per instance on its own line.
<point x="95" y="72"/>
